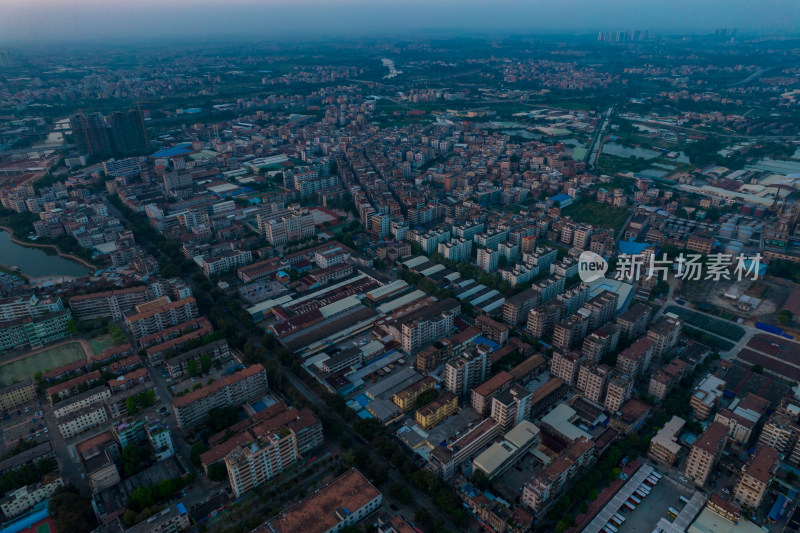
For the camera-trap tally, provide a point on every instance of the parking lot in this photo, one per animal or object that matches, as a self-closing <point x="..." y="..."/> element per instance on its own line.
<point x="653" y="507"/>
<point x="24" y="423"/>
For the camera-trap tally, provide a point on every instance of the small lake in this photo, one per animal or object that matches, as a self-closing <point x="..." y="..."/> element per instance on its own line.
<point x="35" y="261"/>
<point x="627" y="151"/>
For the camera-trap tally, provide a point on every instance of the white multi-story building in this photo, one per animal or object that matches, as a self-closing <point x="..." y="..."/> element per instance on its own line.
<point x="219" y="264"/>
<point x="458" y="249"/>
<point x="488" y="259"/>
<point x="234" y="390"/>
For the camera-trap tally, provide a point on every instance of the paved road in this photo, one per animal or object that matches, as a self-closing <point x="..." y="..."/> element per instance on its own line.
<point x="597" y="140"/>
<point x="67" y="456"/>
<point x="421" y="499"/>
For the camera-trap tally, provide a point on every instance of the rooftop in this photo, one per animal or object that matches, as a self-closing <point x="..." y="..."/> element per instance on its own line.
<point x="326" y="508"/>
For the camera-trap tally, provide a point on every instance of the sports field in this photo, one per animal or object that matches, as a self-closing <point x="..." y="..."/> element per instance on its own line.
<point x="43" y="361"/>
<point x="100" y="343"/>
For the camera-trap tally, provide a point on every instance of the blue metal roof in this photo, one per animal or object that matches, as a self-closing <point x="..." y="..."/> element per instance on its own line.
<point x="631" y="247"/>
<point x="178" y="149"/>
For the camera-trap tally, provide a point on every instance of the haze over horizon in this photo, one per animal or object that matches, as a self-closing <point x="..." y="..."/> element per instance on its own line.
<point x="40" y="21"/>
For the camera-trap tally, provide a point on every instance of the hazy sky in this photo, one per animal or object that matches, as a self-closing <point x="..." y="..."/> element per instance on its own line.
<point x="47" y="20"/>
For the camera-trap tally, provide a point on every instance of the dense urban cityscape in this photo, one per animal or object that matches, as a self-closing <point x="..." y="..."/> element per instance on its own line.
<point x="506" y="283"/>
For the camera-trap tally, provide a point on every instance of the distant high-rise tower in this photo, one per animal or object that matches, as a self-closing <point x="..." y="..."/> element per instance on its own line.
<point x="127" y="132"/>
<point x="5" y="58"/>
<point x="90" y="134"/>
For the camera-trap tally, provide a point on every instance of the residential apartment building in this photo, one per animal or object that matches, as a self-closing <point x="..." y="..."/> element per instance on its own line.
<point x="543" y="491"/>
<point x="706" y="396"/>
<point x="256" y="462"/>
<point x="600" y="342"/>
<point x="179" y="365"/>
<point x="543" y="319"/>
<point x="482" y="395"/>
<point x="565" y="366"/>
<point x="292" y="224"/>
<point x="742" y="416"/>
<point x="406" y="398"/>
<point x="435" y="412"/>
<point x="618" y="392"/>
<point x="456" y="250"/>
<point x="664" y="446"/>
<point x="170" y="520"/>
<point x="219" y="264"/>
<point x="706" y="451"/>
<point x="664" y="335"/>
<point x="569" y="333"/>
<point x="517" y="307"/>
<point x="428" y="324"/>
<point x="445" y="461"/>
<point x="601" y="309"/>
<point x="632" y="322"/>
<point x="467" y="371"/>
<point x="665" y="379"/>
<point x="163" y="316"/>
<point x="511" y="406"/>
<point x="109" y="304"/>
<point x="635" y="359"/>
<point x="593" y="381"/>
<point x="16" y="394"/>
<point x="755" y="478"/>
<point x="345" y="501"/>
<point x="34" y="332"/>
<point x="781" y="432"/>
<point x="243" y="386"/>
<point x="492" y="330"/>
<point x="24" y="498"/>
<point x="488" y="259"/>
<point x="81" y="420"/>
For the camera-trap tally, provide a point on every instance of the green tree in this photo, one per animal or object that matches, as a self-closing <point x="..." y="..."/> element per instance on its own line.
<point x="134" y="459"/>
<point x="217" y="472"/>
<point x="130" y="404"/>
<point x="206" y="362"/>
<point x="147" y="398"/>
<point x="198" y="449"/>
<point x="72" y="511"/>
<point x="193" y="368"/>
<point x="141" y="497"/>
<point x="165" y="489"/>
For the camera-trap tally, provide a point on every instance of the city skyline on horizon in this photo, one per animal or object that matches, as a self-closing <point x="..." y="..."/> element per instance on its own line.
<point x="91" y="21"/>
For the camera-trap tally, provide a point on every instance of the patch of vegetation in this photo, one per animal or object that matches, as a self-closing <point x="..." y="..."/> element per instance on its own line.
<point x="589" y="211"/>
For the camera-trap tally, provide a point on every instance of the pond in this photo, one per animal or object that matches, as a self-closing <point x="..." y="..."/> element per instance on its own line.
<point x="36" y="262"/>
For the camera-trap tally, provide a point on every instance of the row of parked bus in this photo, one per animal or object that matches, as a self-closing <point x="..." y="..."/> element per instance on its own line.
<point x="617" y="519"/>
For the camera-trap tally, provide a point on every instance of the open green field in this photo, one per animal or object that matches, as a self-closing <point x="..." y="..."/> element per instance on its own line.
<point x="41" y="362"/>
<point x="101" y="343"/>
<point x="593" y="212"/>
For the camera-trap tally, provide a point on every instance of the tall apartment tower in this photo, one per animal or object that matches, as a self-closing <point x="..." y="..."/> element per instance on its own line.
<point x="90" y="134"/>
<point x="127" y="132"/>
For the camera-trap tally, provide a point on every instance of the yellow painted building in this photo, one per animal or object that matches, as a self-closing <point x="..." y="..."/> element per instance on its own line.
<point x="436" y="411"/>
